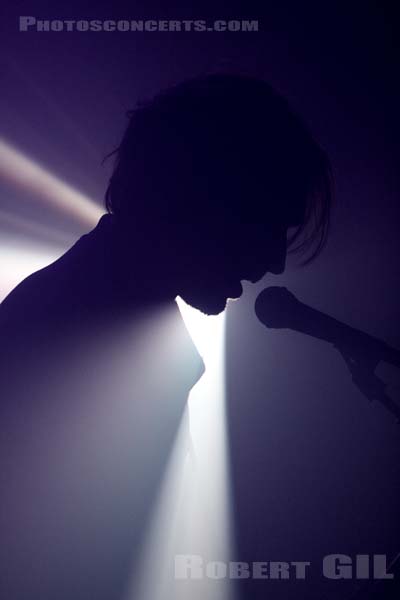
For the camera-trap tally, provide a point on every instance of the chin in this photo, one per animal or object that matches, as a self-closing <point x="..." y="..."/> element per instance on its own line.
<point x="207" y="305"/>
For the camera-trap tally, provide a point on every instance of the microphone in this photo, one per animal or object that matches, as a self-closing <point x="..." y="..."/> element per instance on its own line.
<point x="278" y="308"/>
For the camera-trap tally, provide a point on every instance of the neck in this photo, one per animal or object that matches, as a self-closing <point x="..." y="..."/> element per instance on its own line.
<point x="141" y="262"/>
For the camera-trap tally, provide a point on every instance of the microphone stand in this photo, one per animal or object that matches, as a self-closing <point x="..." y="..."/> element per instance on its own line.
<point x="369" y="384"/>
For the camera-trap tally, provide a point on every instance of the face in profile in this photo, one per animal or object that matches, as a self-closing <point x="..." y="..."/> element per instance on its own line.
<point x="227" y="154"/>
<point x="228" y="254"/>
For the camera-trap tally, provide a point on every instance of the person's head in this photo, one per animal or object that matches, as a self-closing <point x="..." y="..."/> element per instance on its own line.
<point x="226" y="167"/>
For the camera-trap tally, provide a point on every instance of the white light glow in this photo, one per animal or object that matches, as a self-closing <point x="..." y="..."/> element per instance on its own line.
<point x="192" y="514"/>
<point x="26" y="174"/>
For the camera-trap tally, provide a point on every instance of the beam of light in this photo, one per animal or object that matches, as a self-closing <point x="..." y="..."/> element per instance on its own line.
<point x="23" y="228"/>
<point x="26" y="174"/>
<point x="192" y="515"/>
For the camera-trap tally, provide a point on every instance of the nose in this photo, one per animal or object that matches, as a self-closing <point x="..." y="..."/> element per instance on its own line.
<point x="275" y="265"/>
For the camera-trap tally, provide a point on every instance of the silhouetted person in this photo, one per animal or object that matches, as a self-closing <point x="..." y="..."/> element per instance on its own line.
<point x="96" y="364"/>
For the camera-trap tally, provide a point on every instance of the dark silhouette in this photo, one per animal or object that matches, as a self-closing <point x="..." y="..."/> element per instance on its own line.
<point x="96" y="364"/>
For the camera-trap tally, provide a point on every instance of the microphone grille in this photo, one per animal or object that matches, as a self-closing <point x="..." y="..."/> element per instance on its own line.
<point x="275" y="307"/>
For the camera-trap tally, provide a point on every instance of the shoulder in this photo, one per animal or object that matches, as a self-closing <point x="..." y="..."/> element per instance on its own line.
<point x="45" y="292"/>
<point x="28" y="296"/>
